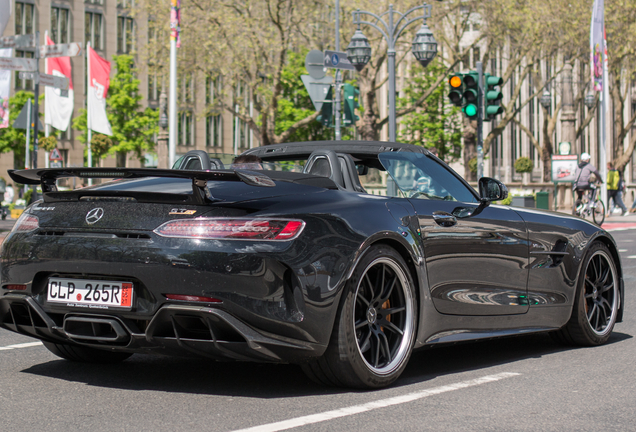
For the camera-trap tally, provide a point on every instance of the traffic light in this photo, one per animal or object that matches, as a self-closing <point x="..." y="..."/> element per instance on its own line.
<point x="326" y="116"/>
<point x="456" y="95"/>
<point x="471" y="94"/>
<point x="493" y="97"/>
<point x="350" y="104"/>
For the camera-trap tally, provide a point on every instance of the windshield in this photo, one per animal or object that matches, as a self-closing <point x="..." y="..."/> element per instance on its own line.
<point x="419" y="176"/>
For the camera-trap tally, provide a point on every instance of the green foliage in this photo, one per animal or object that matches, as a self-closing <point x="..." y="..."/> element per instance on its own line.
<point x="14" y="140"/>
<point x="506" y="201"/>
<point x="100" y="144"/>
<point x="472" y="165"/>
<point x="48" y="143"/>
<point x="524" y="165"/>
<point x="133" y="129"/>
<point x="438" y="123"/>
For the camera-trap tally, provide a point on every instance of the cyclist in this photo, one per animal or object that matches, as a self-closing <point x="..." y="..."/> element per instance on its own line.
<point x="584" y="180"/>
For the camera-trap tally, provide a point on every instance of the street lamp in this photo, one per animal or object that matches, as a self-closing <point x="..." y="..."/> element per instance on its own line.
<point x="590" y="101"/>
<point x="546" y="99"/>
<point x="424" y="47"/>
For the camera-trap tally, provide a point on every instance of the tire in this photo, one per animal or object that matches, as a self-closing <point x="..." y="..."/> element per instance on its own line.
<point x="83" y="354"/>
<point x="596" y="302"/>
<point x="370" y="348"/>
<point x="598" y="213"/>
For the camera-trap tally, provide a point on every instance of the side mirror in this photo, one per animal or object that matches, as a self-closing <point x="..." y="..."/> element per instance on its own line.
<point x="492" y="190"/>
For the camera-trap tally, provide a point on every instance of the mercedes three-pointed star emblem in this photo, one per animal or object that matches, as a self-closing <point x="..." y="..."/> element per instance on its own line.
<point x="94" y="215"/>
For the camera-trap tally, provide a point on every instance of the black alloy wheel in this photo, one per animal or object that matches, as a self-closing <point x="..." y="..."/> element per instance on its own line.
<point x="597" y="300"/>
<point x="374" y="332"/>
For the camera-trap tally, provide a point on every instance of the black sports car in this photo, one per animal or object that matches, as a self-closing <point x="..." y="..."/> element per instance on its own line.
<point x="273" y="265"/>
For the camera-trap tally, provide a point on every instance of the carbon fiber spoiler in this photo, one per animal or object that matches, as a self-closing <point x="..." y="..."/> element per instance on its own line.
<point x="47" y="178"/>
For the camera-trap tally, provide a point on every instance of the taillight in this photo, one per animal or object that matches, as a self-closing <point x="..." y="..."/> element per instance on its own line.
<point x="237" y="229"/>
<point x="26" y="222"/>
<point x="15" y="287"/>
<point x="192" y="298"/>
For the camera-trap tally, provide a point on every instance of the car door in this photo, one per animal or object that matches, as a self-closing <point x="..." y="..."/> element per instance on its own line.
<point x="476" y="260"/>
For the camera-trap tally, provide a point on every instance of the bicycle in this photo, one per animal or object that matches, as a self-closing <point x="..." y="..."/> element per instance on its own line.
<point x="591" y="205"/>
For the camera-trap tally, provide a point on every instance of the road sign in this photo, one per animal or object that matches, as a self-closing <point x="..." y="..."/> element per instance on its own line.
<point x="55" y="155"/>
<point x="314" y="65"/>
<point x="60" y="82"/>
<point x="17" y="41"/>
<point x="61" y="50"/>
<point x="337" y="60"/>
<point x="21" y="122"/>
<point x="18" y="64"/>
<point x="317" y="89"/>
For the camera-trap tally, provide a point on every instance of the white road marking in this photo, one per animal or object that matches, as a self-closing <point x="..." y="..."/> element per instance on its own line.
<point x="622" y="250"/>
<point x="18" y="346"/>
<point x="383" y="403"/>
<point x="631" y="256"/>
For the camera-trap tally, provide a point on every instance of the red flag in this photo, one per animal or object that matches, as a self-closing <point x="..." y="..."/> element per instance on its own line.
<point x="98" y="83"/>
<point x="58" y="109"/>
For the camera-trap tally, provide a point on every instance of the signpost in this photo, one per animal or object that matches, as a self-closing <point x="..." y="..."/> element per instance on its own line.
<point x="55" y="159"/>
<point x="17" y="41"/>
<point x="28" y="69"/>
<point x="18" y="64"/>
<point x="563" y="169"/>
<point x="61" y="50"/>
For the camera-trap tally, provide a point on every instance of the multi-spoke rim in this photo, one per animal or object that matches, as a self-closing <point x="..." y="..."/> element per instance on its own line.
<point x="383" y="316"/>
<point x="601" y="293"/>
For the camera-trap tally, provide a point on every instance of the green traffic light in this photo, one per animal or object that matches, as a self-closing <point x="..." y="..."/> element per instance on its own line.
<point x="470" y="110"/>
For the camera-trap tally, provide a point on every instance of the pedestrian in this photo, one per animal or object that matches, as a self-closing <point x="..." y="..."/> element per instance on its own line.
<point x="615" y="185"/>
<point x="247" y="162"/>
<point x="584" y="179"/>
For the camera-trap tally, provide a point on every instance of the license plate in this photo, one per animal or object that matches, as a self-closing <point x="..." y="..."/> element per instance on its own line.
<point x="100" y="294"/>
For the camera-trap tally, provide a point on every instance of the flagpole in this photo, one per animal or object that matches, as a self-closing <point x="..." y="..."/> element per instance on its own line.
<point x="89" y="123"/>
<point x="172" y="125"/>
<point x="47" y="127"/>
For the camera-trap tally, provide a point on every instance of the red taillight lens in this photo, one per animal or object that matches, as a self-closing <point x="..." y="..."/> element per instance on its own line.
<point x="15" y="287"/>
<point x="239" y="229"/>
<point x="192" y="298"/>
<point x="26" y="222"/>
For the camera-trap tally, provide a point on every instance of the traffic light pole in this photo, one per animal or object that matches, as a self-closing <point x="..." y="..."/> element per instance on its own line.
<point x="480" y="121"/>
<point x="35" y="102"/>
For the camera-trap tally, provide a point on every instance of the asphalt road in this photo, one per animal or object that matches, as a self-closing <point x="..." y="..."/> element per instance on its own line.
<point x="527" y="383"/>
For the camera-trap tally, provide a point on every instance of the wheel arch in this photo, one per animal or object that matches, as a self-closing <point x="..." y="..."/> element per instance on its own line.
<point x="611" y="245"/>
<point x="408" y="250"/>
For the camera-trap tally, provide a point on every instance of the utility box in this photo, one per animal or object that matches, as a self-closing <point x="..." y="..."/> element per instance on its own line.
<point x="523" y="201"/>
<point x="543" y="200"/>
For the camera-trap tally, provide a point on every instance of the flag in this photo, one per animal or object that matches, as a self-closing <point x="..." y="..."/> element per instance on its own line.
<point x="5" y="88"/>
<point x="5" y="13"/>
<point x="98" y="83"/>
<point x="598" y="44"/>
<point x="175" y="21"/>
<point x="57" y="108"/>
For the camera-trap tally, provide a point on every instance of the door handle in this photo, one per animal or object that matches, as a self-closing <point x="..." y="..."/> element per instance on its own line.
<point x="444" y="219"/>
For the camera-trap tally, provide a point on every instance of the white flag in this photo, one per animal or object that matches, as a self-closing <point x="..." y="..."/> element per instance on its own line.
<point x="98" y="83"/>
<point x="5" y="89"/>
<point x="5" y="13"/>
<point x="58" y="109"/>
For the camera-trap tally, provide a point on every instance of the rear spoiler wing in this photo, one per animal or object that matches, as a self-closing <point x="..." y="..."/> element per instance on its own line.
<point x="47" y="178"/>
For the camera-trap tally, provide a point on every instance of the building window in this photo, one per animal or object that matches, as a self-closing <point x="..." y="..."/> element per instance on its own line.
<point x="214" y="121"/>
<point x="125" y="34"/>
<point x="59" y="25"/>
<point x="24" y="18"/>
<point x="125" y="4"/>
<point x="214" y="130"/>
<point x="22" y="84"/>
<point x="93" y="29"/>
<point x="186" y="129"/>
<point x="186" y="88"/>
<point x="99" y="2"/>
<point x="242" y="136"/>
<point x="154" y="86"/>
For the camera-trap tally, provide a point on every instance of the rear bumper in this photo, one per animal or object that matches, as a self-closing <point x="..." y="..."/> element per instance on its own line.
<point x="174" y="330"/>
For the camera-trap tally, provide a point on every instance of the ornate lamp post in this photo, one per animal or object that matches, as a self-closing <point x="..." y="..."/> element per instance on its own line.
<point x="424" y="47"/>
<point x="162" y="139"/>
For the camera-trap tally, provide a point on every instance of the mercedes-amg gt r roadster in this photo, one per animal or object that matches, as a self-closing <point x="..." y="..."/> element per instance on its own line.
<point x="342" y="257"/>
